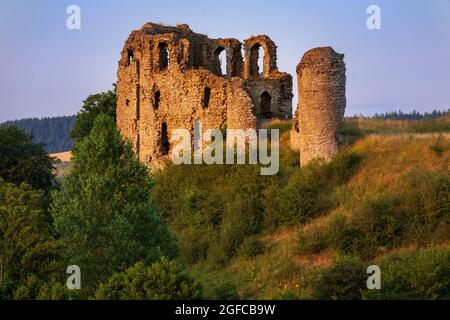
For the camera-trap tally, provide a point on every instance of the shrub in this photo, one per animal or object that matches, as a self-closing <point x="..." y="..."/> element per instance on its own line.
<point x="163" y="280"/>
<point x="351" y="129"/>
<point x="312" y="241"/>
<point x="251" y="247"/>
<point x="59" y="291"/>
<point x="342" y="281"/>
<point x="304" y="196"/>
<point x="28" y="289"/>
<point x="419" y="275"/>
<point x="226" y="290"/>
<point x="342" y="167"/>
<point x="309" y="191"/>
<point x="427" y="202"/>
<point x="381" y="219"/>
<point x="347" y="239"/>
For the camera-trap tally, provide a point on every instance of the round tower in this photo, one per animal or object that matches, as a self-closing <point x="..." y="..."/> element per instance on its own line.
<point x="321" y="103"/>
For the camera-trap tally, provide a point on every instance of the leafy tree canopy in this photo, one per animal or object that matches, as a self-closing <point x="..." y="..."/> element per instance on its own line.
<point x="163" y="280"/>
<point x="103" y="212"/>
<point x="27" y="246"/>
<point x="22" y="160"/>
<point x="100" y="103"/>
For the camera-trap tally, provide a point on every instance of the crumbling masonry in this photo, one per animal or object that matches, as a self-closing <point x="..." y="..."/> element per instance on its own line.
<point x="321" y="104"/>
<point x="170" y="78"/>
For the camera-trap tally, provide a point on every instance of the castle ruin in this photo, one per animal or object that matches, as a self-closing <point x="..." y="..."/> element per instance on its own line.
<point x="171" y="77"/>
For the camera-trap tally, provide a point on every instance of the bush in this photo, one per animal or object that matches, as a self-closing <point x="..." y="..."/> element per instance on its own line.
<point x="164" y="280"/>
<point x="312" y="241"/>
<point x="214" y="208"/>
<point x="304" y="197"/>
<point x="226" y="290"/>
<point x="420" y="275"/>
<point x="427" y="200"/>
<point x="350" y="129"/>
<point x="251" y="247"/>
<point x="381" y="219"/>
<point x="342" y="281"/>
<point x="59" y="291"/>
<point x="347" y="239"/>
<point x="342" y="167"/>
<point x="309" y="191"/>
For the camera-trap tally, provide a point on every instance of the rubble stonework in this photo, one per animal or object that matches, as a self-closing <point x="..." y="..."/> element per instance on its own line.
<point x="170" y="77"/>
<point x="321" y="104"/>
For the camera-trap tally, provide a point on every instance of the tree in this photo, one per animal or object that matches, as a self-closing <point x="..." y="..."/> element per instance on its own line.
<point x="103" y="213"/>
<point x="163" y="280"/>
<point x="22" y="160"/>
<point x="52" y="132"/>
<point x="94" y="105"/>
<point x="27" y="246"/>
<point x="343" y="281"/>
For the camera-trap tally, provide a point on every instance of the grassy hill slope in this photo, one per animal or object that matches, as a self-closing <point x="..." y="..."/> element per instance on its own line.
<point x="384" y="200"/>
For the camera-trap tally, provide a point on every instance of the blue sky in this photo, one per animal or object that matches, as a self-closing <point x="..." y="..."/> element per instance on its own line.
<point x="47" y="69"/>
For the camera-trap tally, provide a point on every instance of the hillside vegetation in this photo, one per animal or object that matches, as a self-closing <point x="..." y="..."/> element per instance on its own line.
<point x="226" y="231"/>
<point x="311" y="232"/>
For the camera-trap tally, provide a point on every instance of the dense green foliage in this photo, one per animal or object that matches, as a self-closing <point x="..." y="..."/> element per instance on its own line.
<point x="216" y="209"/>
<point x="52" y="132"/>
<point x="103" y="213"/>
<point x="163" y="280"/>
<point x="101" y="218"/>
<point x="342" y="281"/>
<point x="236" y="229"/>
<point x="27" y="246"/>
<point x="22" y="160"/>
<point x="421" y="275"/>
<point x="93" y="106"/>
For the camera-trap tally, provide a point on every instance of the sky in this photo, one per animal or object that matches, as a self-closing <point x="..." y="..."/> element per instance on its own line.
<point x="47" y="69"/>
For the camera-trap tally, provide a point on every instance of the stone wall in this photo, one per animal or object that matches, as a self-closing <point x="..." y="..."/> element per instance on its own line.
<point x="170" y="77"/>
<point x="321" y="104"/>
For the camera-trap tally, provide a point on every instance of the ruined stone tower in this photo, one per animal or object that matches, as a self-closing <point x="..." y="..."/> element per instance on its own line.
<point x="170" y="77"/>
<point x="321" y="104"/>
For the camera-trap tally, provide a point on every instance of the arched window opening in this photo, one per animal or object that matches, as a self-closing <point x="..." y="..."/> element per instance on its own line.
<point x="163" y="56"/>
<point x="206" y="97"/>
<point x="165" y="145"/>
<point x="130" y="57"/>
<point x="261" y="60"/>
<point x="256" y="60"/>
<point x="220" y="59"/>
<point x="157" y="99"/>
<point x="264" y="103"/>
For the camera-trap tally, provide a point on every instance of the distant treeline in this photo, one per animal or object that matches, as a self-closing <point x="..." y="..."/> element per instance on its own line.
<point x="53" y="132"/>
<point x="415" y="115"/>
